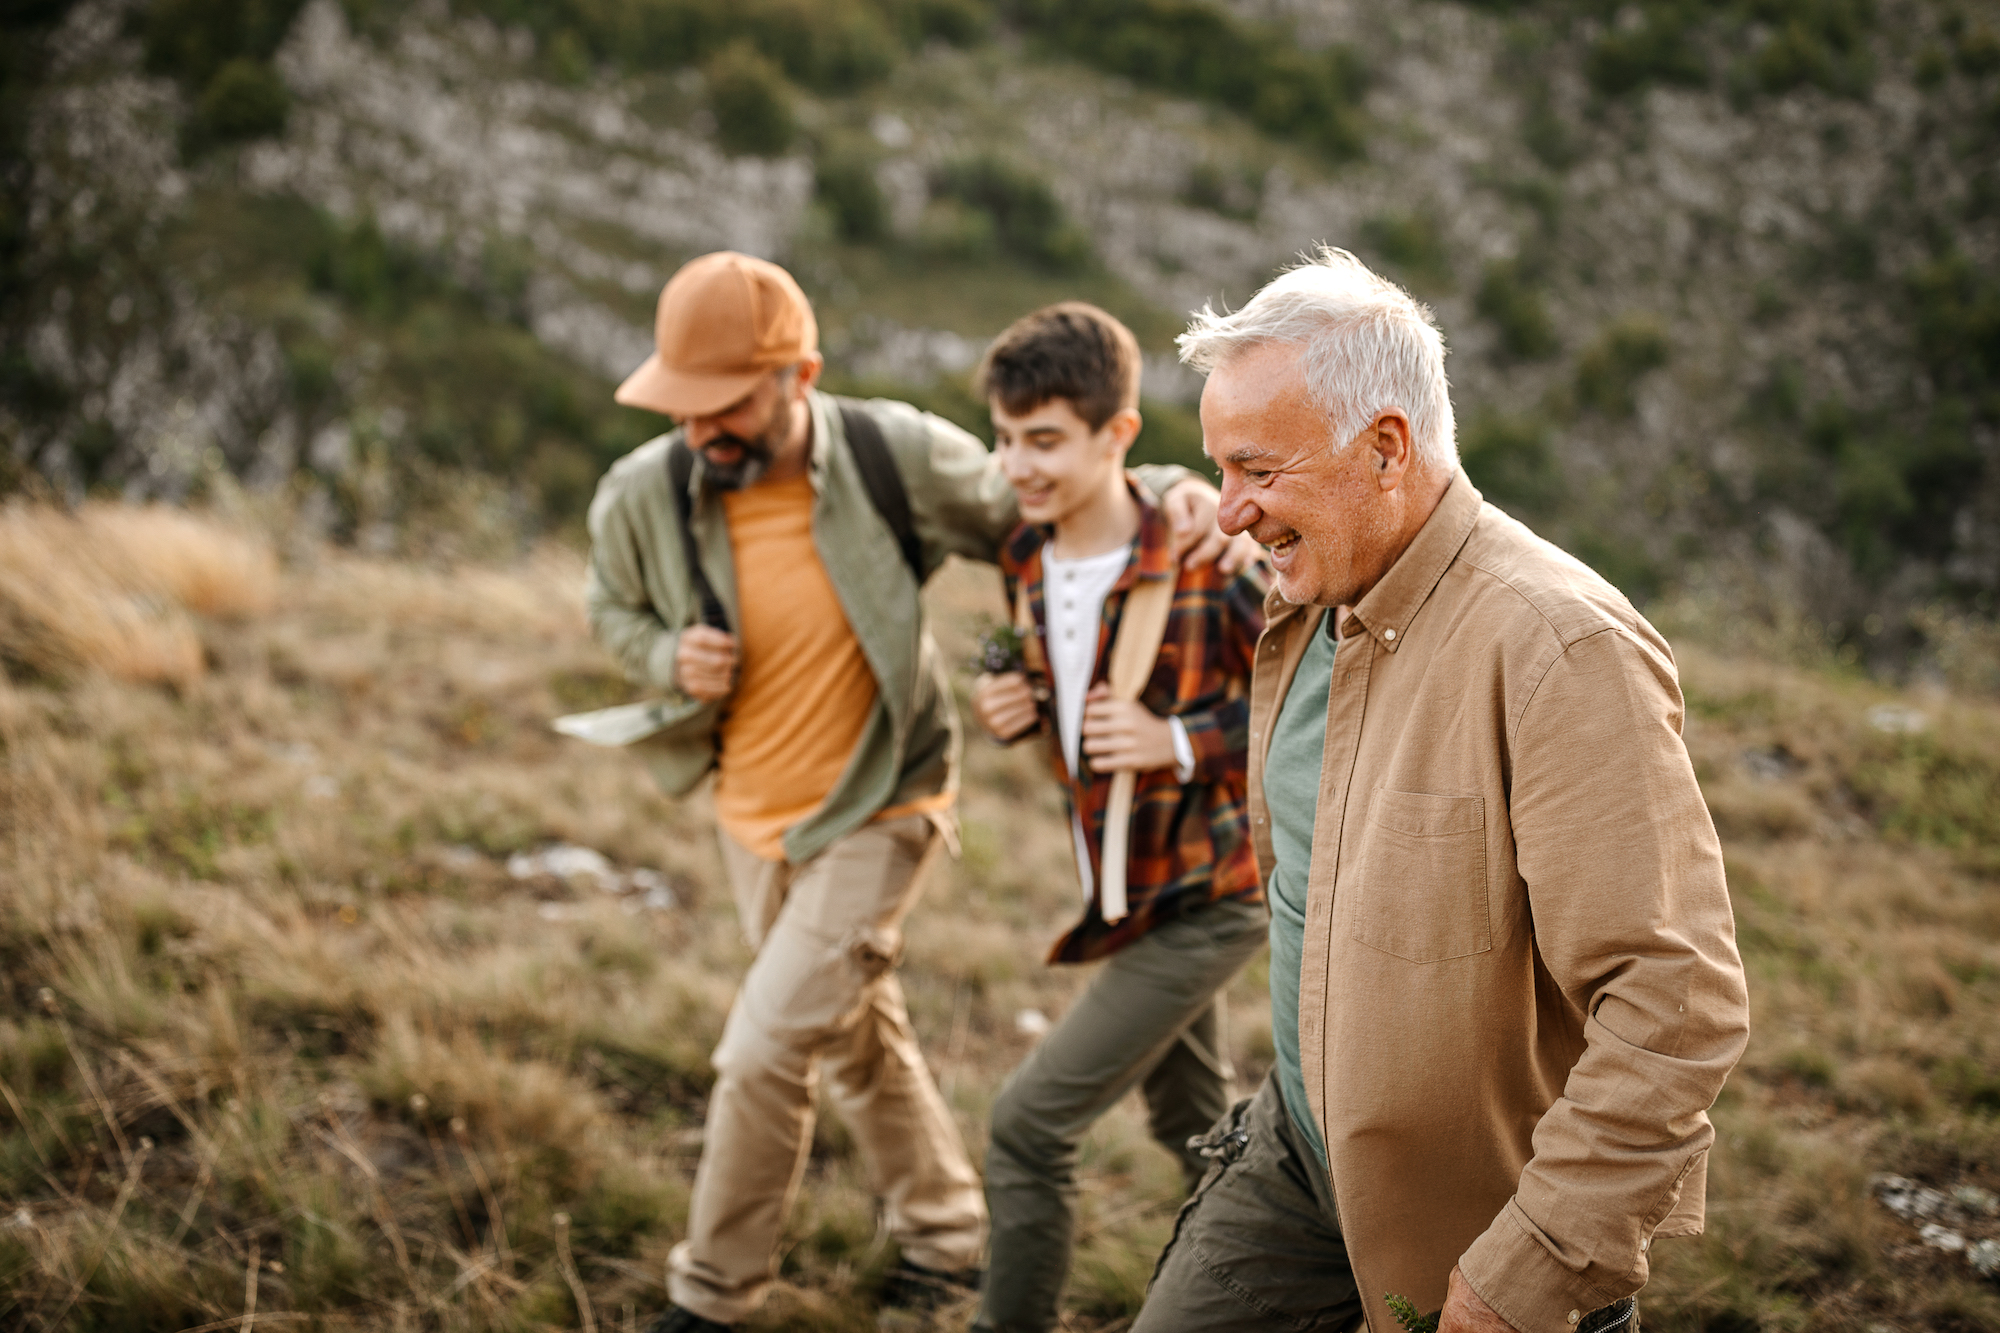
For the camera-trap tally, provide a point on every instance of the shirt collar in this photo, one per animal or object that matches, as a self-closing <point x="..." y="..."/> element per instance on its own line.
<point x="1152" y="559"/>
<point x="1389" y="607"/>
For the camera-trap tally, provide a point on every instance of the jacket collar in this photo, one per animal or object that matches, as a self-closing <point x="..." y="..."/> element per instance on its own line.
<point x="1389" y="607"/>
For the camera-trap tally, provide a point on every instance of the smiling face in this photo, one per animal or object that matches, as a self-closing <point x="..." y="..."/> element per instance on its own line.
<point x="741" y="443"/>
<point x="1329" y="510"/>
<point x="1060" y="468"/>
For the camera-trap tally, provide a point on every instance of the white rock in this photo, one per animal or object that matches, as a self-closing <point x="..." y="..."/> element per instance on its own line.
<point x="1031" y="1022"/>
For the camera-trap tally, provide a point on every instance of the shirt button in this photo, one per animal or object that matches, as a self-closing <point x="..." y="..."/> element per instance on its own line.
<point x="1390" y="635"/>
<point x="1574" y="1316"/>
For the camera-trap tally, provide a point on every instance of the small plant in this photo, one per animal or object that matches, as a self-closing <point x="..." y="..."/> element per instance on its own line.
<point x="1406" y="1315"/>
<point x="999" y="651"/>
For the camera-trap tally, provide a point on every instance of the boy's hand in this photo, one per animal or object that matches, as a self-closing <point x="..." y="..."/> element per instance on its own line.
<point x="1004" y="706"/>
<point x="1190" y="508"/>
<point x="705" y="663"/>
<point x="1118" y="734"/>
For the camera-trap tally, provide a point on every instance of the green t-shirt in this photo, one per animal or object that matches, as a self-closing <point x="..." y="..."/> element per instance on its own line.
<point x="1291" y="794"/>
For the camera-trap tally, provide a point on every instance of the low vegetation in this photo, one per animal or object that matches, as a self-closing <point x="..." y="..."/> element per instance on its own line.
<point x="297" y="1024"/>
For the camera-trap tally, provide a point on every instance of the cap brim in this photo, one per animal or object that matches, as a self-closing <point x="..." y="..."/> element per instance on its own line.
<point x="657" y="388"/>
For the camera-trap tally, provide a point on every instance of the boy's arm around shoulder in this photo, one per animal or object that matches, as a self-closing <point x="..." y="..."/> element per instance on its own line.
<point x="1218" y="618"/>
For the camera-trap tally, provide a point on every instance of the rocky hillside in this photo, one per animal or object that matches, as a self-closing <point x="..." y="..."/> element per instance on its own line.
<point x="1719" y="279"/>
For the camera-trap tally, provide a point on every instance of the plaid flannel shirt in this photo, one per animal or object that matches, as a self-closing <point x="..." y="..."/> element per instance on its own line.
<point x="1189" y="844"/>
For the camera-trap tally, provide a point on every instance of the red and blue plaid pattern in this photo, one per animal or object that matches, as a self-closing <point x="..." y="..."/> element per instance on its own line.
<point x="1189" y="844"/>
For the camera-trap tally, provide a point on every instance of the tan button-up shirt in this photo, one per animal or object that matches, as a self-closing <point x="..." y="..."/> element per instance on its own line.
<point x="1520" y="992"/>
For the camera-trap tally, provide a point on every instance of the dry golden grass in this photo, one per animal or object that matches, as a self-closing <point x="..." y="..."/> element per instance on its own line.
<point x="110" y="588"/>
<point x="280" y="1033"/>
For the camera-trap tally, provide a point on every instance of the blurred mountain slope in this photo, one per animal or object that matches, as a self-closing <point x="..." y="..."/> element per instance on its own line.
<point x="1720" y="280"/>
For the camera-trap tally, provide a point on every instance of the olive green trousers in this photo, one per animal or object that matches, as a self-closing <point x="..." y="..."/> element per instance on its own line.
<point x="1151" y="1019"/>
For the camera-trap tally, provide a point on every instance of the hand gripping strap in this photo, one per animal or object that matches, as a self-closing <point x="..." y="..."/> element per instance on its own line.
<point x="1141" y="628"/>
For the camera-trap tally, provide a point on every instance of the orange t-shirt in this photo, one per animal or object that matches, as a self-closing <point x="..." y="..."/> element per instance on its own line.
<point x="804" y="690"/>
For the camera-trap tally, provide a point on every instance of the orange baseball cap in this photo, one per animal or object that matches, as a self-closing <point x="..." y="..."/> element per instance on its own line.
<point x="725" y="321"/>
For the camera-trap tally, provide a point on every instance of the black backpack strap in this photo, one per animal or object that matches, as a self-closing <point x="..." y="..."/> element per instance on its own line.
<point x="680" y="471"/>
<point x="884" y="483"/>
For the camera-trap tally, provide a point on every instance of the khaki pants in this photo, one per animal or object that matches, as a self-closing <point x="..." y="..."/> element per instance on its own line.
<point x="822" y="992"/>
<point x="1151" y="1019"/>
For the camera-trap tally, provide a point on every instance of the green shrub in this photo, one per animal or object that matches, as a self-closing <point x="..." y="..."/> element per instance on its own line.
<point x="959" y="22"/>
<point x="568" y="57"/>
<point x="844" y="180"/>
<point x="1027" y="218"/>
<point x="1613" y="365"/>
<point x="1979" y="51"/>
<point x="833" y="45"/>
<point x="1660" y="48"/>
<point x="751" y="101"/>
<point x="192" y="40"/>
<point x="1507" y="298"/>
<point x="953" y="230"/>
<point x="1232" y="194"/>
<point x="245" y="100"/>
<point x="1412" y="244"/>
<point x="1510" y="460"/>
<point x="1194" y="48"/>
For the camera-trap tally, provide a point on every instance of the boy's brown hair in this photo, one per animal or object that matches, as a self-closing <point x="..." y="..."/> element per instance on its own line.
<point x="1070" y="350"/>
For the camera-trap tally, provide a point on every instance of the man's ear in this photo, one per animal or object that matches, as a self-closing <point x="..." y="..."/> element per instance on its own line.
<point x="1395" y="452"/>
<point x="1123" y="427"/>
<point x="810" y="366"/>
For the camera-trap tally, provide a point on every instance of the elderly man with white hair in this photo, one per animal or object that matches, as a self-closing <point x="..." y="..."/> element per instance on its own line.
<point x="1504" y="981"/>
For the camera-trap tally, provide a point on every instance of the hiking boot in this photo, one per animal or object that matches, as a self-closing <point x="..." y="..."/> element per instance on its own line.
<point x="673" y="1319"/>
<point x="920" y="1290"/>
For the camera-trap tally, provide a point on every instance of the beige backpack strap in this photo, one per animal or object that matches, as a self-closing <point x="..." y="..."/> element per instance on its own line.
<point x="1141" y="628"/>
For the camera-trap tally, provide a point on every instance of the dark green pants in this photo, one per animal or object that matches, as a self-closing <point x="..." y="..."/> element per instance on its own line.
<point x="1258" y="1245"/>
<point x="1150" y="1019"/>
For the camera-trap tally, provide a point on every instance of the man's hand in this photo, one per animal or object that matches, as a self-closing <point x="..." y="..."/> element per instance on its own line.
<point x="1118" y="734"/>
<point x="1003" y="705"/>
<point x="1190" y="508"/>
<point x="705" y="663"/>
<point x="1464" y="1312"/>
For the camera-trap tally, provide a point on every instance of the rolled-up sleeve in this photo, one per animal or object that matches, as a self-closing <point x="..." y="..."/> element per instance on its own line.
<point x="1632" y="920"/>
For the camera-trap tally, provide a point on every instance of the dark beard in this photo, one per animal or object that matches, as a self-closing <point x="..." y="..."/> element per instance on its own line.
<point x="753" y="462"/>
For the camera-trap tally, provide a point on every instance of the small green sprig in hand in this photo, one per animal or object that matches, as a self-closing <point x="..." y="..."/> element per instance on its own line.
<point x="1406" y="1315"/>
<point x="999" y="651"/>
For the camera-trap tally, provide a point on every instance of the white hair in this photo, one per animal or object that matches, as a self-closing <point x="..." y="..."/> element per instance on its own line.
<point x="1366" y="346"/>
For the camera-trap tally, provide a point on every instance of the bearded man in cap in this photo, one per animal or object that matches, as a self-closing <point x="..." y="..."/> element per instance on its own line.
<point x="760" y="568"/>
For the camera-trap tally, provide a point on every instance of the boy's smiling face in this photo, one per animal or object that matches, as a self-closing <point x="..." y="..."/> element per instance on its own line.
<point x="1058" y="465"/>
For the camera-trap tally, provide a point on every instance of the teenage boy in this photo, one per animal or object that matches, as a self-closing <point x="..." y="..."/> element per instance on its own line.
<point x="759" y="567"/>
<point x="1063" y="386"/>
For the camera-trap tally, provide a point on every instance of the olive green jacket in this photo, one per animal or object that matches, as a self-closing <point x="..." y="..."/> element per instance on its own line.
<point x="640" y="596"/>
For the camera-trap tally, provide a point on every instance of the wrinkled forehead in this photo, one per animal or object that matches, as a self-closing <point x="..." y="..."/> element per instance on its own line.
<point x="1257" y="405"/>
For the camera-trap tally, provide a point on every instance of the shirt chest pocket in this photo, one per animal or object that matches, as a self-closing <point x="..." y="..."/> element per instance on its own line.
<point x="1419" y="888"/>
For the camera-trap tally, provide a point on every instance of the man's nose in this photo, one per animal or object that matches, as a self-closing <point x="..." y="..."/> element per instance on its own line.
<point x="1238" y="512"/>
